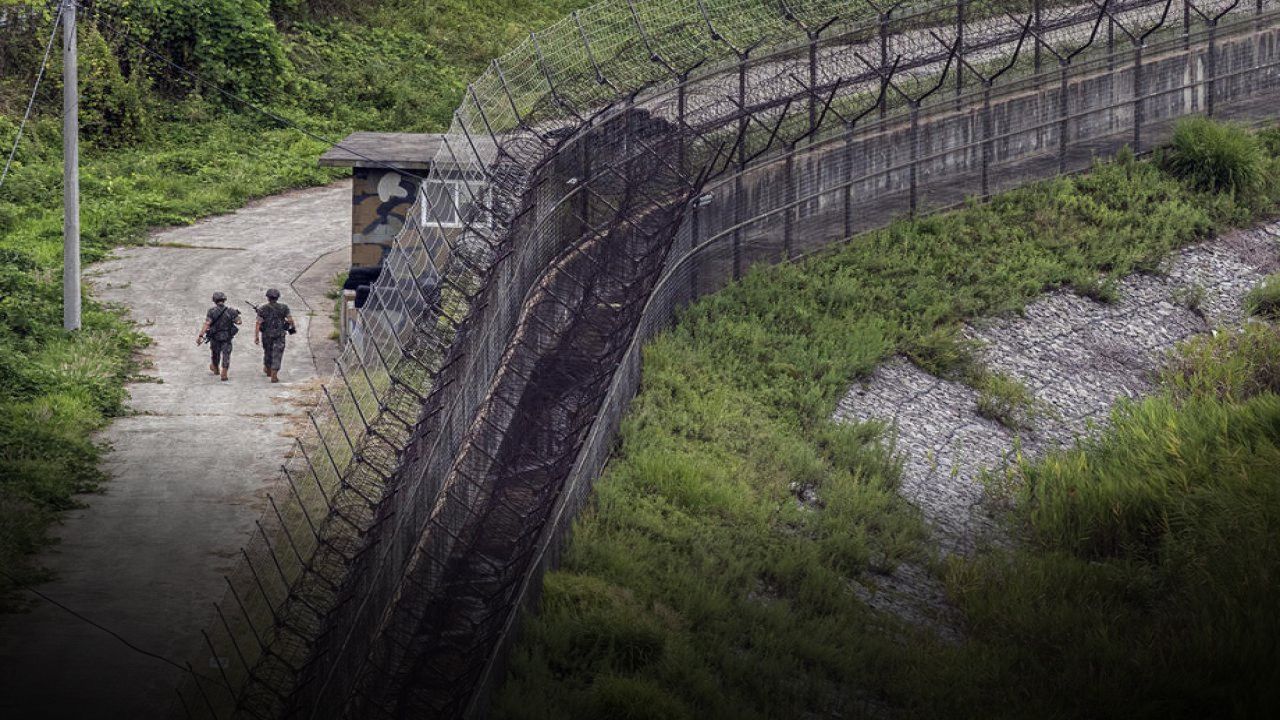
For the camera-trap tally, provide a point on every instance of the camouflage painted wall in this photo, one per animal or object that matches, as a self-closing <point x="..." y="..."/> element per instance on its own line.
<point x="379" y="201"/>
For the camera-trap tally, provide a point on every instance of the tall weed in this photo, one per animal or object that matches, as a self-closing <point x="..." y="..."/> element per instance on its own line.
<point x="1217" y="157"/>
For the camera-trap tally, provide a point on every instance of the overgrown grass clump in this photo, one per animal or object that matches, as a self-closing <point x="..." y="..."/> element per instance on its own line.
<point x="1264" y="300"/>
<point x="1218" y="157"/>
<point x="711" y="578"/>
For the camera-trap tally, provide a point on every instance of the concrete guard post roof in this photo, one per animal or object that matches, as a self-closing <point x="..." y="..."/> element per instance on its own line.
<point x="405" y="151"/>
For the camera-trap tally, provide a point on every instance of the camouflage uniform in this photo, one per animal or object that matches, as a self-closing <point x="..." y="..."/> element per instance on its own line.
<point x="221" y="319"/>
<point x="274" y="329"/>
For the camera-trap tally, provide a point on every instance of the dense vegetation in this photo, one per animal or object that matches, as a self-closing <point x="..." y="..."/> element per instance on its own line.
<point x="160" y="149"/>
<point x="699" y="586"/>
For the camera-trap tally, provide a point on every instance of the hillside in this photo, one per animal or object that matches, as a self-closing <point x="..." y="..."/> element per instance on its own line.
<point x="160" y="149"/>
<point x="744" y="549"/>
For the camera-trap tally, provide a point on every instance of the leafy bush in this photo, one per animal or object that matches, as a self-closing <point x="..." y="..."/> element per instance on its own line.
<point x="1217" y="157"/>
<point x="113" y="108"/>
<point x="1006" y="400"/>
<point x="231" y="43"/>
<point x="1270" y="139"/>
<point x="945" y="353"/>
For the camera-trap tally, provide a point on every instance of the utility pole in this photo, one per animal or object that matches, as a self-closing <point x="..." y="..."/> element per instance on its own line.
<point x="70" y="171"/>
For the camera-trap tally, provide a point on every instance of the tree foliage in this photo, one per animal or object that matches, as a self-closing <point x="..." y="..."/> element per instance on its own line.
<point x="231" y="43"/>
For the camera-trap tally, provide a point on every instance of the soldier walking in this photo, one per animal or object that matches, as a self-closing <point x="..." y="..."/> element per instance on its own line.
<point x="219" y="327"/>
<point x="274" y="322"/>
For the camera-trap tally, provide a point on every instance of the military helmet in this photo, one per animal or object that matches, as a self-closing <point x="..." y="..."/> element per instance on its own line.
<point x="273" y="293"/>
<point x="219" y="296"/>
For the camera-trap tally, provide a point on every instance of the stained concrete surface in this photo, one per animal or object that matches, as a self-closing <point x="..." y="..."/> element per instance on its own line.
<point x="189" y="466"/>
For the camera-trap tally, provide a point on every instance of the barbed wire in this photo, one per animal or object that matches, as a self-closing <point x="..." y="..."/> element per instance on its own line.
<point x="608" y="170"/>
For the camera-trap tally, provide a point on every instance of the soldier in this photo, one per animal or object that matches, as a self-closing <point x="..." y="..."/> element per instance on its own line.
<point x="219" y="327"/>
<point x="274" y="321"/>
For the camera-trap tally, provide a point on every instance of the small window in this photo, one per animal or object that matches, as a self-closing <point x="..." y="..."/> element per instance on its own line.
<point x="449" y="202"/>
<point x="439" y="203"/>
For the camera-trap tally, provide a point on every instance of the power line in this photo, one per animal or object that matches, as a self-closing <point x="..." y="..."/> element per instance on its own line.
<point x="194" y="76"/>
<point x="53" y="33"/>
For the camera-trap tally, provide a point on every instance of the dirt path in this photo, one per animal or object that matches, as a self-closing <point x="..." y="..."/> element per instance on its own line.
<point x="189" y="467"/>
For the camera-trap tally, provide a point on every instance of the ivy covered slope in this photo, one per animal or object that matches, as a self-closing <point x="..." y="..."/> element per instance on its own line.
<point x="698" y="587"/>
<point x="158" y="150"/>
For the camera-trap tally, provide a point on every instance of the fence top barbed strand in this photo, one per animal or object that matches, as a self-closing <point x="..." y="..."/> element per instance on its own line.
<point x="480" y="113"/>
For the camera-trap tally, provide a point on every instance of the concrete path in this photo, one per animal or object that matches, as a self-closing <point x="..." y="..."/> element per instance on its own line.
<point x="189" y="466"/>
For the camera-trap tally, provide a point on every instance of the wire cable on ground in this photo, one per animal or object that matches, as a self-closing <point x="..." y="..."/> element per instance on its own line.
<point x="95" y="624"/>
<point x="48" y="47"/>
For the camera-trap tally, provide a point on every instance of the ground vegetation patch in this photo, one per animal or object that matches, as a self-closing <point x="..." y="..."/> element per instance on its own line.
<point x="723" y="570"/>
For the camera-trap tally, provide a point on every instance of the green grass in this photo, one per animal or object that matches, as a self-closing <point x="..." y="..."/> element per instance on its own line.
<point x="1146" y="585"/>
<point x="1217" y="156"/>
<point x="1006" y="400"/>
<point x="169" y="160"/>
<point x="700" y="586"/>
<point x="1264" y="300"/>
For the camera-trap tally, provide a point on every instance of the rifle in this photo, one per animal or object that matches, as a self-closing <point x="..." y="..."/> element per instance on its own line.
<point x="289" y="328"/>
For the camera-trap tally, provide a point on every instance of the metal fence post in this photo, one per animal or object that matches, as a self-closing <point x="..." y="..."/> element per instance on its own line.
<point x="1111" y="41"/>
<point x="960" y="6"/>
<point x="1062" y="115"/>
<point x="884" y="53"/>
<point x="813" y="83"/>
<point x="848" y="186"/>
<point x="788" y="216"/>
<point x="1039" y="29"/>
<point x="584" y="172"/>
<point x="1137" y="97"/>
<point x="682" y="106"/>
<point x="739" y="206"/>
<point x="986" y="137"/>
<point x="695" y="232"/>
<point x="1210" y="67"/>
<point x="1186" y="24"/>
<point x="915" y="149"/>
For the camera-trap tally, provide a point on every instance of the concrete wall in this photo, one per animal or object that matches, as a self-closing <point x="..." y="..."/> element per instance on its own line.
<point x="844" y="185"/>
<point x="379" y="201"/>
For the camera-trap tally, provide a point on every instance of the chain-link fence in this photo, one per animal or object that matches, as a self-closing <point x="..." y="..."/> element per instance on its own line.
<point x="631" y="158"/>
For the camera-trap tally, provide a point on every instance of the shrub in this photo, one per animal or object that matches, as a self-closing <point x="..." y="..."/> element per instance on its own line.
<point x="1005" y="400"/>
<point x="944" y="352"/>
<point x="1270" y="139"/>
<point x="113" y="108"/>
<point x="1217" y="157"/>
<point x="1231" y="366"/>
<point x="1264" y="300"/>
<point x="231" y="43"/>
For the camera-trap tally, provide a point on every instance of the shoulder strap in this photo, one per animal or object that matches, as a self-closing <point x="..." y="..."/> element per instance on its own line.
<point x="215" y="320"/>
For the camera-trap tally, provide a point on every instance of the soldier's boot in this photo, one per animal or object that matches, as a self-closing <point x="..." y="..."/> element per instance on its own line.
<point x="274" y="376"/>
<point x="266" y="369"/>
<point x="224" y="373"/>
<point x="213" y="368"/>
